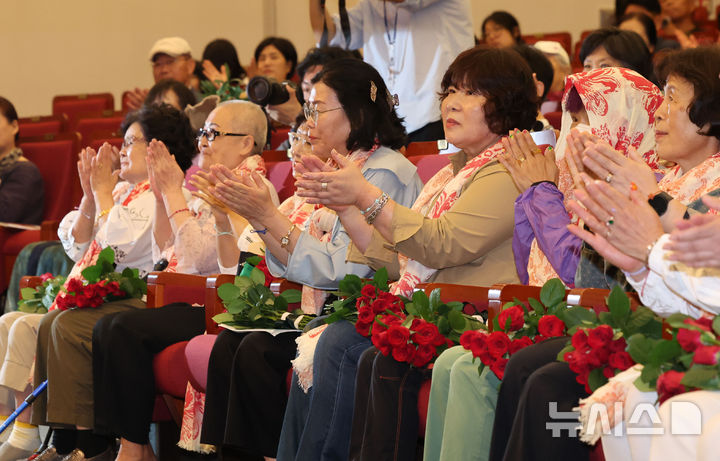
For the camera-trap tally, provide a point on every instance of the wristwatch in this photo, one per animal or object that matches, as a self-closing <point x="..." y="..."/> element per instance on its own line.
<point x="659" y="202"/>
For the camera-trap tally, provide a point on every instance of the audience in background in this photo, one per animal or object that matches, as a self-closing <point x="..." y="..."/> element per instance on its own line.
<point x="612" y="47"/>
<point x="220" y="60"/>
<point x="501" y="30"/>
<point x="560" y="61"/>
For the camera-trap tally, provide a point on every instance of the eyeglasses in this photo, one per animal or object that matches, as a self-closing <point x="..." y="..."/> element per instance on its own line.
<point x="311" y="111"/>
<point x="298" y="137"/>
<point x="212" y="133"/>
<point x="130" y="141"/>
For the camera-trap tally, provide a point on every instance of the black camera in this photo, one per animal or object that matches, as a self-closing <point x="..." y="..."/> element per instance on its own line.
<point x="265" y="90"/>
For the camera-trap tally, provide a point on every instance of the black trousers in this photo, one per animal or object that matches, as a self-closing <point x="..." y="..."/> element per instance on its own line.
<point x="124" y="345"/>
<point x="533" y="379"/>
<point x="430" y="132"/>
<point x="246" y="391"/>
<point x="386" y="421"/>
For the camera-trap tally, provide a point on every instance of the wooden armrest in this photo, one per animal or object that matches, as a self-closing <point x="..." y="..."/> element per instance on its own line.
<point x="280" y="285"/>
<point x="30" y="281"/>
<point x="161" y="284"/>
<point x="595" y="298"/>
<point x="213" y="303"/>
<point x="476" y="297"/>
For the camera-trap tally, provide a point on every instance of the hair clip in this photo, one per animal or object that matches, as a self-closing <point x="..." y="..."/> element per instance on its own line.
<point x="393" y="99"/>
<point x="373" y="91"/>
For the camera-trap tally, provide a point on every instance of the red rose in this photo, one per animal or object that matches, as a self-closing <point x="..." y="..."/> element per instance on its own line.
<point x="404" y="353"/>
<point x="73" y="285"/>
<point x="498" y="367"/>
<point x="65" y="301"/>
<point x="379" y="306"/>
<point x="380" y="341"/>
<point x="516" y="315"/>
<point x="393" y="303"/>
<point x="365" y="315"/>
<point x="497" y="343"/>
<point x="466" y="338"/>
<point x="425" y="333"/>
<point x="362" y="301"/>
<point x="600" y="336"/>
<point x="550" y="326"/>
<point x="262" y="267"/>
<point x="620" y="360"/>
<point x="577" y="361"/>
<point x="608" y="372"/>
<point x="688" y="339"/>
<point x="46" y="276"/>
<point x="398" y="335"/>
<point x="706" y="355"/>
<point x="518" y="344"/>
<point x="703" y="322"/>
<point x="668" y="384"/>
<point x="540" y="338"/>
<point x="478" y="344"/>
<point x="618" y="345"/>
<point x="423" y="355"/>
<point x="579" y="340"/>
<point x="368" y="291"/>
<point x="363" y="329"/>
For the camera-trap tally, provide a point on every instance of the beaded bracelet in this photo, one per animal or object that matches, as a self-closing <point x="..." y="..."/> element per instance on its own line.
<point x="372" y="206"/>
<point x="370" y="217"/>
<point x="637" y="272"/>
<point x="219" y="233"/>
<point x="178" y="211"/>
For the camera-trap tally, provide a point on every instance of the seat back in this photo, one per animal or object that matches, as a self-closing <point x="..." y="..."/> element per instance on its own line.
<point x="74" y="105"/>
<point x="280" y="175"/>
<point x="500" y="294"/>
<point x="278" y="136"/>
<point x="428" y="165"/>
<point x="423" y="148"/>
<point x="172" y="287"/>
<point x="88" y="123"/>
<point x="41" y="125"/>
<point x="555" y="118"/>
<point x="56" y="158"/>
<point x="474" y="298"/>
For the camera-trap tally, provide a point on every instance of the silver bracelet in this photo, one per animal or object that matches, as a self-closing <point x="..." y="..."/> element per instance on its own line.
<point x="370" y="217"/>
<point x="218" y="232"/>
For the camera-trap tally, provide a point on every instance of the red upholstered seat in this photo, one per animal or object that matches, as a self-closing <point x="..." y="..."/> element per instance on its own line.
<point x="280" y="175"/>
<point x="278" y="136"/>
<point x="90" y="122"/>
<point x="428" y="165"/>
<point x="555" y="119"/>
<point x="74" y="105"/>
<point x="41" y="125"/>
<point x="171" y="371"/>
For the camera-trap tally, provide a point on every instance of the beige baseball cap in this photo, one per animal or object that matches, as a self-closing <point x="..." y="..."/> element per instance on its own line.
<point x="172" y="46"/>
<point x="553" y="48"/>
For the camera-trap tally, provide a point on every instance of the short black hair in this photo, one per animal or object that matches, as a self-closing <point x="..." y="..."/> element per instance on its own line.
<point x="504" y="78"/>
<point x="370" y="121"/>
<point x="627" y="47"/>
<point x="169" y="125"/>
<point x="700" y="67"/>
<point x="539" y="64"/>
<point x="506" y="21"/>
<point x="222" y="52"/>
<point x="652" y="6"/>
<point x="8" y="111"/>
<point x="184" y="94"/>
<point x="321" y="56"/>
<point x="285" y="47"/>
<point x="647" y="23"/>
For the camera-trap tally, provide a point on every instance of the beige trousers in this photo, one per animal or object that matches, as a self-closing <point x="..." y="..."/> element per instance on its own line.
<point x="18" y="337"/>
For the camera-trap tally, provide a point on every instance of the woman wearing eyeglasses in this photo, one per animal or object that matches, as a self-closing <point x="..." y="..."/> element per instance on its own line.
<point x="351" y="112"/>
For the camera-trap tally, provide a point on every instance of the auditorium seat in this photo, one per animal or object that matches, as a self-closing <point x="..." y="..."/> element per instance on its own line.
<point x="56" y="158"/>
<point x="280" y="175"/>
<point x="73" y="105"/>
<point x="555" y="118"/>
<point x="424" y="148"/>
<point x="41" y="125"/>
<point x="278" y="136"/>
<point x="428" y="165"/>
<point x="89" y="122"/>
<point x="563" y="38"/>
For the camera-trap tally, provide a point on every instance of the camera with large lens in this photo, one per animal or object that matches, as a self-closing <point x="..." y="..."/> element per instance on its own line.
<point x="265" y="90"/>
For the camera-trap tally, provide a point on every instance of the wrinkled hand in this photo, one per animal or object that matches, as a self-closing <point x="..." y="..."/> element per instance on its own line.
<point x="246" y="195"/>
<point x="694" y="241"/>
<point x="525" y="161"/>
<point x="84" y="166"/>
<point x="573" y="154"/>
<point x="216" y="77"/>
<point x="204" y="182"/>
<point x="136" y="98"/>
<point x="167" y="176"/>
<point x="628" y="224"/>
<point x="343" y="186"/>
<point x="287" y="112"/>
<point x="620" y="171"/>
<point x="102" y="176"/>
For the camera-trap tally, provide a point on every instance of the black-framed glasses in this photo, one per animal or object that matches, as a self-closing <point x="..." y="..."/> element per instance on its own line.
<point x="212" y="133"/>
<point x="311" y="111"/>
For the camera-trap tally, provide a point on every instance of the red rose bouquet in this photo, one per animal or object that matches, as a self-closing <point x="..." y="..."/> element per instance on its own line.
<point x="518" y="326"/>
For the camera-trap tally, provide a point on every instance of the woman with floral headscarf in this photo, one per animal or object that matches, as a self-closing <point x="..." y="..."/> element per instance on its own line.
<point x="612" y="106"/>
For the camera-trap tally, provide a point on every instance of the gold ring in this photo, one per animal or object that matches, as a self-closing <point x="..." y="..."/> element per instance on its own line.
<point x="323" y="186"/>
<point x="608" y="178"/>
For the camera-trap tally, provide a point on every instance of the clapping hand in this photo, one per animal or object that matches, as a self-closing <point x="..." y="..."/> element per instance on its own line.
<point x="165" y="174"/>
<point x="246" y="195"/>
<point x="102" y="175"/>
<point x="693" y="242"/>
<point x="525" y="161"/>
<point x="335" y="188"/>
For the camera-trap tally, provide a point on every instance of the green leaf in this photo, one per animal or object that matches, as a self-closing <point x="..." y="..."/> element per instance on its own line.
<point x="596" y="379"/>
<point x="578" y="315"/>
<point x="457" y="320"/>
<point x="678" y="321"/>
<point x="422" y="304"/>
<point x="292" y="296"/>
<point x="650" y="373"/>
<point x="552" y="292"/>
<point x="235" y="306"/>
<point x="443" y="326"/>
<point x="243" y="282"/>
<point x="254" y="313"/>
<point x="456" y="305"/>
<point x="350" y="285"/>
<point x="254" y="260"/>
<point x="639" y="348"/>
<point x="701" y="376"/>
<point x="257" y="276"/>
<point x="561" y="355"/>
<point x="537" y="307"/>
<point x="92" y="273"/>
<point x="435" y="299"/>
<point x="644" y="320"/>
<point x="381" y="279"/>
<point x="618" y="304"/>
<point x="107" y="255"/>
<point x="28" y="293"/>
<point x="228" y="292"/>
<point x="280" y="303"/>
<point x="665" y="351"/>
<point x="225" y="317"/>
<point x="716" y="325"/>
<point x="642" y="385"/>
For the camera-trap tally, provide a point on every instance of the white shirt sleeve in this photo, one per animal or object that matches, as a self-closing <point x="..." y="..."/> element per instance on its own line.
<point x="671" y="287"/>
